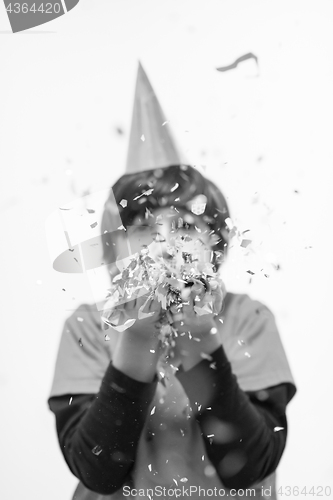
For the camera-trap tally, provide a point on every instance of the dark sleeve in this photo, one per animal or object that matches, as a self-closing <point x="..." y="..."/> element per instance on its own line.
<point x="244" y="432"/>
<point x="99" y="434"/>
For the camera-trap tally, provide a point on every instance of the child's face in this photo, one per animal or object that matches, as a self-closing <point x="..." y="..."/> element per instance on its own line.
<point x="159" y="229"/>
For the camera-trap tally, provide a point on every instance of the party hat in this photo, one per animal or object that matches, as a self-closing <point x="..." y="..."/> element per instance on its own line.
<point x="151" y="144"/>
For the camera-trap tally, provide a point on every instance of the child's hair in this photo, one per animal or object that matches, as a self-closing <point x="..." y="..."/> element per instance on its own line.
<point x="177" y="186"/>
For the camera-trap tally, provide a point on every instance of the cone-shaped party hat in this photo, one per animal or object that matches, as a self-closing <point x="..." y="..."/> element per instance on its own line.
<point x="151" y="144"/>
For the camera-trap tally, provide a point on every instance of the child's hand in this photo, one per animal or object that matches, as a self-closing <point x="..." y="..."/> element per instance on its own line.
<point x="197" y="333"/>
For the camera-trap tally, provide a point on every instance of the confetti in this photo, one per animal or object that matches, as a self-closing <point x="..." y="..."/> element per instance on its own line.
<point x="149" y="467"/>
<point x="166" y="281"/>
<point x="153" y="410"/>
<point x="90" y="211"/>
<point x="174" y="187"/>
<point x="250" y="272"/>
<point x="184" y="479"/>
<point x="97" y="450"/>
<point x="277" y="429"/>
<point x="240" y="59"/>
<point x="143" y="138"/>
<point x="94" y="224"/>
<point x="247" y="354"/>
<point x="106" y="338"/>
<point x="123" y="203"/>
<point x="79" y="319"/>
<point x="70" y="400"/>
<point x="213" y="331"/>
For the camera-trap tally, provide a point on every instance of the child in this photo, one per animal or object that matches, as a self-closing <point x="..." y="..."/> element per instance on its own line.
<point x="206" y="416"/>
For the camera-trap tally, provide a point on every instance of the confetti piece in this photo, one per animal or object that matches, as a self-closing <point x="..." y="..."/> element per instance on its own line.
<point x="210" y="435"/>
<point x="203" y="458"/>
<point x="123" y="203"/>
<point x="153" y="410"/>
<point x="213" y="331"/>
<point x="209" y="471"/>
<point x="149" y="467"/>
<point x="247" y="354"/>
<point x="79" y="319"/>
<point x="240" y="59"/>
<point x="93" y="225"/>
<point x="97" y="450"/>
<point x="143" y="138"/>
<point x="250" y="272"/>
<point x="90" y="211"/>
<point x="221" y="320"/>
<point x="174" y="480"/>
<point x="245" y="243"/>
<point x="174" y="187"/>
<point x="106" y="338"/>
<point x="70" y="400"/>
<point x="184" y="479"/>
<point x="277" y="429"/>
<point x="63" y="289"/>
<point x="203" y="355"/>
<point x="240" y="342"/>
<point x="123" y="228"/>
<point x="164" y="123"/>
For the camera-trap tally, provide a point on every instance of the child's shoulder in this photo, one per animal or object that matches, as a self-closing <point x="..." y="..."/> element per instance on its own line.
<point x="236" y="303"/>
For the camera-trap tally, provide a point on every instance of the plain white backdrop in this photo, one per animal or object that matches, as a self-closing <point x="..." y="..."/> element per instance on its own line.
<point x="263" y="134"/>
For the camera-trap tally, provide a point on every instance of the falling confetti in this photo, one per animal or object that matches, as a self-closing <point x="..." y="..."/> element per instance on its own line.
<point x="70" y="400"/>
<point x="149" y="467"/>
<point x="94" y="224"/>
<point x="97" y="450"/>
<point x="174" y="187"/>
<point x="106" y="338"/>
<point x="79" y="319"/>
<point x="247" y="354"/>
<point x="240" y="59"/>
<point x="123" y="203"/>
<point x="184" y="479"/>
<point x="143" y="138"/>
<point x="90" y="211"/>
<point x="277" y="429"/>
<point x="153" y="410"/>
<point x="213" y="331"/>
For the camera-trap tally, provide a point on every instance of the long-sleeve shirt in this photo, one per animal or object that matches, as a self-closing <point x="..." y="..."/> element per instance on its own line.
<point x="108" y="437"/>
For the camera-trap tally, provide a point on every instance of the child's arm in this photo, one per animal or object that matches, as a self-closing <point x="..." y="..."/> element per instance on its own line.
<point x="244" y="437"/>
<point x="99" y="434"/>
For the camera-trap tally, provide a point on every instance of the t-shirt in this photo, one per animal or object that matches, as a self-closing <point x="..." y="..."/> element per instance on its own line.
<point x="176" y="457"/>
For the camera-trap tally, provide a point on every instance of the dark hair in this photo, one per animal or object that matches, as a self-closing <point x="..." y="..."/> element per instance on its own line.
<point x="175" y="186"/>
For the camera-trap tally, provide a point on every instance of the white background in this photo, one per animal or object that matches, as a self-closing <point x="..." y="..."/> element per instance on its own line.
<point x="262" y="134"/>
